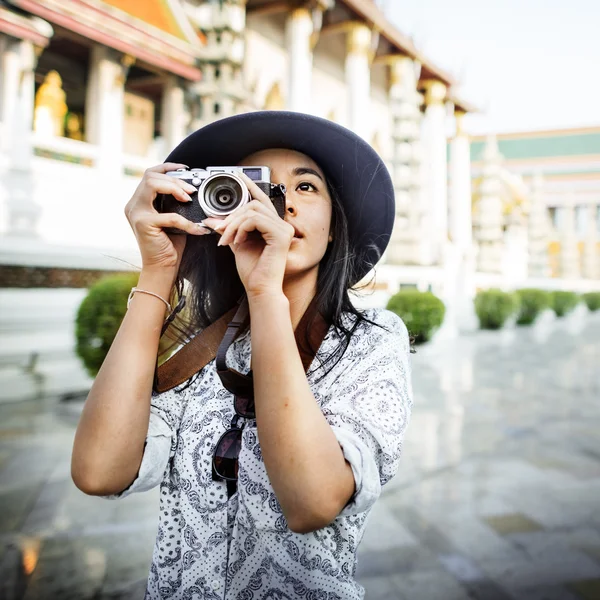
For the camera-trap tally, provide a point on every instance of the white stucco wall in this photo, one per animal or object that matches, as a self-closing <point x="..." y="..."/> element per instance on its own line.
<point x="330" y="94"/>
<point x="266" y="61"/>
<point x="382" y="124"/>
<point x="81" y="207"/>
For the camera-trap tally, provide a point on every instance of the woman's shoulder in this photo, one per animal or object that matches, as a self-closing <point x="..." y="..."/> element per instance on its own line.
<point x="381" y="320"/>
<point x="385" y="318"/>
<point x="377" y="329"/>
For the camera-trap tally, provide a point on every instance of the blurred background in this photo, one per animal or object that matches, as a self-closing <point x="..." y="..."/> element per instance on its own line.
<point x="487" y="115"/>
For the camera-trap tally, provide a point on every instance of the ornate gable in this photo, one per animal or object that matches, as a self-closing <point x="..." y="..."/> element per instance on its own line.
<point x="154" y="31"/>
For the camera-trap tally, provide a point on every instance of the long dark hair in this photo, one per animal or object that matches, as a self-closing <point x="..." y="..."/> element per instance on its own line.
<point x="208" y="275"/>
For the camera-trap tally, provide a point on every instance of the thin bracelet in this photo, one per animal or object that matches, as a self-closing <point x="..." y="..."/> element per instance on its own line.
<point x="134" y="290"/>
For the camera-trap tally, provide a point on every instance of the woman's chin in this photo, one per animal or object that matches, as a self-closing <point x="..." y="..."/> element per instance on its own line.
<point x="296" y="267"/>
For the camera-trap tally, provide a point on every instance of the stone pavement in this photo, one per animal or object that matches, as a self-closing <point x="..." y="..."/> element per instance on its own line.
<point x="498" y="496"/>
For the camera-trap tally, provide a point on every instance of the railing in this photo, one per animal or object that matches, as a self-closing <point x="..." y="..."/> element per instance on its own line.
<point x="75" y="152"/>
<point x="65" y="150"/>
<point x="134" y="166"/>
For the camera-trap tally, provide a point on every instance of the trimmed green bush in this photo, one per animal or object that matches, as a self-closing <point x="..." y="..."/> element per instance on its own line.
<point x="592" y="299"/>
<point x="422" y="312"/>
<point x="494" y="307"/>
<point x="531" y="303"/>
<point x="564" y="302"/>
<point x="99" y="318"/>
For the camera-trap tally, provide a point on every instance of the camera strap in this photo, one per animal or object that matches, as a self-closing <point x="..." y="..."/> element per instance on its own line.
<point x="214" y="341"/>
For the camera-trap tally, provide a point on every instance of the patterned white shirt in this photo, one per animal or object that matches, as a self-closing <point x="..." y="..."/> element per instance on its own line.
<point x="212" y="547"/>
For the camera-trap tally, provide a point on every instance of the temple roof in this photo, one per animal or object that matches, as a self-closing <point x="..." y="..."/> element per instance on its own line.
<point x="158" y="13"/>
<point x="154" y="31"/>
<point x="543" y="144"/>
<point x="391" y="40"/>
<point x="24" y="27"/>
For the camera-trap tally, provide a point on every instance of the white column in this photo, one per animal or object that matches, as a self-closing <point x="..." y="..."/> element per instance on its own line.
<point x="569" y="252"/>
<point x="435" y="164"/>
<point x="105" y="107"/>
<point x="358" y="79"/>
<point x="490" y="235"/>
<point x="459" y="299"/>
<point x="460" y="225"/>
<point x="516" y="250"/>
<point x="174" y="115"/>
<point x="22" y="213"/>
<point x="10" y="70"/>
<point x="591" y="260"/>
<point x="299" y="29"/>
<point x="409" y="241"/>
<point x="538" y="230"/>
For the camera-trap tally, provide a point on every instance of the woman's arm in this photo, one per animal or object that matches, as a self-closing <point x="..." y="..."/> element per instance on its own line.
<point x="306" y="466"/>
<point x="303" y="458"/>
<point x="109" y="442"/>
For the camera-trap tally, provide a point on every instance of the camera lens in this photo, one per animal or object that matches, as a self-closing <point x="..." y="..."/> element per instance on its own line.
<point x="221" y="194"/>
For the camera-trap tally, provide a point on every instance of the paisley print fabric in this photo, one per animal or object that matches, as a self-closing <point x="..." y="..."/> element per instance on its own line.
<point x="212" y="547"/>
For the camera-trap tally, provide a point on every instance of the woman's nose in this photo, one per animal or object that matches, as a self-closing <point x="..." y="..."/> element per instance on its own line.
<point x="290" y="207"/>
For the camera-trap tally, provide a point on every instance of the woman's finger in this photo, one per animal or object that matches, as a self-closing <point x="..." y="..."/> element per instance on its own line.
<point x="257" y="194"/>
<point x="232" y="222"/>
<point x="164" y="167"/>
<point x="167" y="185"/>
<point x="162" y="220"/>
<point x="265" y="227"/>
<point x="188" y="187"/>
<point x="229" y="227"/>
<point x="265" y="224"/>
<point x="219" y="225"/>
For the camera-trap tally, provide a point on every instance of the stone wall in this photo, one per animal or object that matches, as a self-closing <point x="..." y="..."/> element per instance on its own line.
<point x="16" y="276"/>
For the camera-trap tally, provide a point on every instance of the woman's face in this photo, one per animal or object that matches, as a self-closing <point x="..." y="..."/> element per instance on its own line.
<point x="308" y="204"/>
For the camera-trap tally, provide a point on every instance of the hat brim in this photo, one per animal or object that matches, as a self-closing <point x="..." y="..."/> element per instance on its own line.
<point x="351" y="166"/>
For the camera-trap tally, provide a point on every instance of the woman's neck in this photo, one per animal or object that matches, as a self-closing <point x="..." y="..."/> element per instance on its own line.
<point x="300" y="291"/>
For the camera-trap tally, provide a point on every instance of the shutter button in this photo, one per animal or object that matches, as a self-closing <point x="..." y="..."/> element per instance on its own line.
<point x="215" y="584"/>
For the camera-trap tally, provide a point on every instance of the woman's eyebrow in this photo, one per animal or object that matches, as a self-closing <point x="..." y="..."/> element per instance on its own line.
<point x="306" y="171"/>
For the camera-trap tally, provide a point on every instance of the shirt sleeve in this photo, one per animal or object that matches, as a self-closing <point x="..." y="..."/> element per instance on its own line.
<point x="370" y="405"/>
<point x="161" y="442"/>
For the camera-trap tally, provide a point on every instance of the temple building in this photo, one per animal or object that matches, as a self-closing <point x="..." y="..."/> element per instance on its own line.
<point x="102" y="89"/>
<point x="93" y="92"/>
<point x="561" y="170"/>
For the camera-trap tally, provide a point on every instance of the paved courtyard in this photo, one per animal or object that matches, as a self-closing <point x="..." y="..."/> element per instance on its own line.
<point x="498" y="496"/>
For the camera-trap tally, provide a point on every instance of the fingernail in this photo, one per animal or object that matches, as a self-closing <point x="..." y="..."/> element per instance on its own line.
<point x="220" y="242"/>
<point x="189" y="198"/>
<point x="202" y="228"/>
<point x="190" y="188"/>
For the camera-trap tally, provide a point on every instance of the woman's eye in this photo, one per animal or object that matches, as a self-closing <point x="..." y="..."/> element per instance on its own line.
<point x="305" y="186"/>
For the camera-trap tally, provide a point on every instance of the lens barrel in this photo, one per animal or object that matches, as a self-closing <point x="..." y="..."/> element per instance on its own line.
<point x="221" y="194"/>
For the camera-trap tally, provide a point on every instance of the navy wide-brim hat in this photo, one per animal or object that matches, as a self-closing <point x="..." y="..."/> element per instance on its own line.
<point x="352" y="167"/>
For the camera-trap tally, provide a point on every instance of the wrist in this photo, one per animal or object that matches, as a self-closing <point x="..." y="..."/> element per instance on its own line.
<point x="271" y="298"/>
<point x="158" y="281"/>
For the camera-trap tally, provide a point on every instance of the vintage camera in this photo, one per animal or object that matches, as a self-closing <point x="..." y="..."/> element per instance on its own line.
<point x="219" y="192"/>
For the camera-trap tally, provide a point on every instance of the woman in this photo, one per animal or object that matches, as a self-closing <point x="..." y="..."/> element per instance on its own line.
<point x="329" y="437"/>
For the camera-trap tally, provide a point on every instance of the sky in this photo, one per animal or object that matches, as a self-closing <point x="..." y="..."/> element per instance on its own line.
<point x="526" y="64"/>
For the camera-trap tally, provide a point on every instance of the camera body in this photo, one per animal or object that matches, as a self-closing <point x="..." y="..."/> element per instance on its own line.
<point x="219" y="192"/>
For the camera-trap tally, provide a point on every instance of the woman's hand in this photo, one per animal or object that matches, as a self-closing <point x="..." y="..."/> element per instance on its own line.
<point x="261" y="256"/>
<point x="160" y="250"/>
